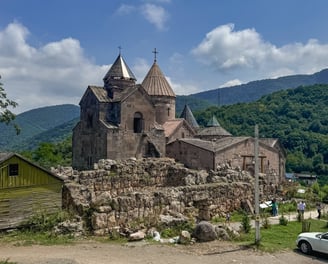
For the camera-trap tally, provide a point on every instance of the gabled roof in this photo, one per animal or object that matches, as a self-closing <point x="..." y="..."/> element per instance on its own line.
<point x="156" y="84"/>
<point x="7" y="155"/>
<point x="171" y="126"/>
<point x="100" y="93"/>
<point x="120" y="70"/>
<point x="189" y="117"/>
<point x="215" y="146"/>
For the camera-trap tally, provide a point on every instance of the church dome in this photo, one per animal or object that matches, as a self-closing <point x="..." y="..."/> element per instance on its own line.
<point x="156" y="84"/>
<point x="119" y="70"/>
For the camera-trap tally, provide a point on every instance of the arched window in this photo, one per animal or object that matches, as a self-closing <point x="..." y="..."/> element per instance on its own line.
<point x="137" y="122"/>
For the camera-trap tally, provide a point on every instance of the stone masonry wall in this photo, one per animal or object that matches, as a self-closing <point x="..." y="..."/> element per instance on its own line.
<point x="142" y="192"/>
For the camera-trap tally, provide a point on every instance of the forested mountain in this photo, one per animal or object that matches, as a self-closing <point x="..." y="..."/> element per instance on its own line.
<point x="47" y="124"/>
<point x="253" y="91"/>
<point x="297" y="117"/>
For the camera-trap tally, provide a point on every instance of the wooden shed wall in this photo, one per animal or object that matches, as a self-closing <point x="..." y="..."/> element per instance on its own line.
<point x="32" y="190"/>
<point x="19" y="204"/>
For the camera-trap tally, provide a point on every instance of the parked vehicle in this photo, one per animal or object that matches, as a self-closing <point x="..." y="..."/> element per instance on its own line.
<point x="312" y="241"/>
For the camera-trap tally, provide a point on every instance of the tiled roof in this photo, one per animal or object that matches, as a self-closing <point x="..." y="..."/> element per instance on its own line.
<point x="100" y="93"/>
<point x="213" y="131"/>
<point x="171" y="125"/>
<point x="217" y="145"/>
<point x="155" y="82"/>
<point x="189" y="117"/>
<point x="120" y="70"/>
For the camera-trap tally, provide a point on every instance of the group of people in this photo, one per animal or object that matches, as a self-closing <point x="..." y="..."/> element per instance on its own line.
<point x="301" y="208"/>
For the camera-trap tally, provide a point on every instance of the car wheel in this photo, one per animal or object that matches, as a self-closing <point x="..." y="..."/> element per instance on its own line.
<point x="305" y="247"/>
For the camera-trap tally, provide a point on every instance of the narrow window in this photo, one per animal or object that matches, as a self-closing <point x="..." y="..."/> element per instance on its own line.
<point x="90" y="120"/>
<point x="13" y="169"/>
<point x="137" y="123"/>
<point x="89" y="162"/>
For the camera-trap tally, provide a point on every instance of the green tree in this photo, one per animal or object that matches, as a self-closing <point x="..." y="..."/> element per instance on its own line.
<point x="51" y="154"/>
<point x="6" y="116"/>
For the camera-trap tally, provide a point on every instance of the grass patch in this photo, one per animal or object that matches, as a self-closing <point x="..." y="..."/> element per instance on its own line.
<point x="25" y="238"/>
<point x="280" y="237"/>
<point x="39" y="229"/>
<point x="6" y="261"/>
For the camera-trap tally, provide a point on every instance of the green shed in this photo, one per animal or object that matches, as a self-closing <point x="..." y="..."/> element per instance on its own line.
<point x="26" y="188"/>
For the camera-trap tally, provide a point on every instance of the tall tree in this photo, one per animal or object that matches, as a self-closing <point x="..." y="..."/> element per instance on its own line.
<point x="6" y="116"/>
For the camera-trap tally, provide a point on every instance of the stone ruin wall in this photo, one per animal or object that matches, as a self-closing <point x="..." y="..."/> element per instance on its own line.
<point x="139" y="193"/>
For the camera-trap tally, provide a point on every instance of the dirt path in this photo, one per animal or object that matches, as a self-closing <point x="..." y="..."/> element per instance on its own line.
<point x="141" y="252"/>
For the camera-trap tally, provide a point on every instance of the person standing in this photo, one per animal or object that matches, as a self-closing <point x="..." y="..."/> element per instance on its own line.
<point x="227" y="218"/>
<point x="319" y="210"/>
<point x="274" y="207"/>
<point x="301" y="208"/>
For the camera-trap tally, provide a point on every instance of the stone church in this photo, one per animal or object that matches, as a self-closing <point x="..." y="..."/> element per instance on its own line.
<point x="124" y="119"/>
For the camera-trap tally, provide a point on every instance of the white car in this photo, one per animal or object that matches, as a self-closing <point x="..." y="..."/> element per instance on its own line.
<point x="312" y="241"/>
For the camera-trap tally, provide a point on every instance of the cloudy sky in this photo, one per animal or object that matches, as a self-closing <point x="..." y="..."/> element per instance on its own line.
<point x="50" y="51"/>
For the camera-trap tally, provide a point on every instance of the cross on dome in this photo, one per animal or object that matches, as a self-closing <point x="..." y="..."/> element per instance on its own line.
<point x="155" y="54"/>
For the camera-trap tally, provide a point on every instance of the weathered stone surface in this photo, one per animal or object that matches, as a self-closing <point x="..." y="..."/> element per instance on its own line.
<point x="205" y="232"/>
<point x="137" y="236"/>
<point x="222" y="233"/>
<point x="147" y="192"/>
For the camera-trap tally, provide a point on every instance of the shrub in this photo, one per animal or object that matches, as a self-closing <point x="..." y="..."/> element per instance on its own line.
<point x="265" y="221"/>
<point x="43" y="221"/>
<point x="245" y="223"/>
<point x="283" y="220"/>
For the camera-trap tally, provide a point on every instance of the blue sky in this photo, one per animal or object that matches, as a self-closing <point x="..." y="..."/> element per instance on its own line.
<point x="50" y="51"/>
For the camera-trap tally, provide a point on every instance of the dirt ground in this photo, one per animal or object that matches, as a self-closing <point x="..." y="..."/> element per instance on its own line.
<point x="142" y="252"/>
<point x="218" y="252"/>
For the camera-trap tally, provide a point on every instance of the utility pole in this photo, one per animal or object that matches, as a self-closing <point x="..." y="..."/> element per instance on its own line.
<point x="256" y="171"/>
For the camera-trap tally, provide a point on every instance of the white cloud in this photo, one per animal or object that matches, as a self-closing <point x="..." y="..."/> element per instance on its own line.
<point x="125" y="9"/>
<point x="55" y="73"/>
<point x="155" y="14"/>
<point x="231" y="83"/>
<point x="184" y="88"/>
<point x="244" y="53"/>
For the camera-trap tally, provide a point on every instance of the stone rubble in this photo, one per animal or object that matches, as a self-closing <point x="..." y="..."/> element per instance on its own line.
<point x="142" y="193"/>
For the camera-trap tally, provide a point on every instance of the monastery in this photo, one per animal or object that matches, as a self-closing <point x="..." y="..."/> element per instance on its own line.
<point x="124" y="119"/>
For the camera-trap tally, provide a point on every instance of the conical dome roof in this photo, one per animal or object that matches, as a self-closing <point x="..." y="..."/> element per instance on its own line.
<point x="189" y="117"/>
<point x="156" y="84"/>
<point x="213" y="128"/>
<point x="213" y="122"/>
<point x="119" y="70"/>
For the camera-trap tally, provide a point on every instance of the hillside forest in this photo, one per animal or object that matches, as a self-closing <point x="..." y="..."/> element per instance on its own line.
<point x="297" y="117"/>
